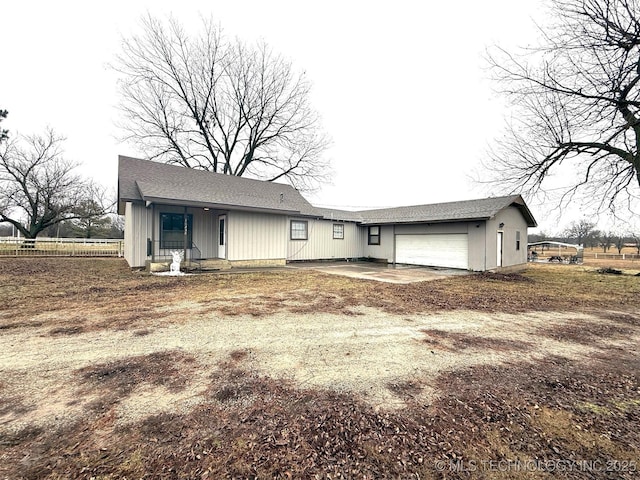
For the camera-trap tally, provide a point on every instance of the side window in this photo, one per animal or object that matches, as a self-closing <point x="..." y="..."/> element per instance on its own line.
<point x="374" y="235"/>
<point x="338" y="231"/>
<point x="517" y="240"/>
<point x="299" y="230"/>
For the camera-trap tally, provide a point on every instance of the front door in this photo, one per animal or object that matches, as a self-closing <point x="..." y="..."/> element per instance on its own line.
<point x="222" y="236"/>
<point x="499" y="250"/>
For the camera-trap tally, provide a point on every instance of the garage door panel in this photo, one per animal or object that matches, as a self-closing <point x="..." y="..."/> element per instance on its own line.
<point x="438" y="250"/>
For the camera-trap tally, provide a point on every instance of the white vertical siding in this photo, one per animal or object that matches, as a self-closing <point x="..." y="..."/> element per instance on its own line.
<point x="256" y="236"/>
<point x="478" y="246"/>
<point x="204" y="234"/>
<point x="320" y="244"/>
<point x="513" y="222"/>
<point x="204" y="231"/>
<point x="137" y="228"/>
<point x="384" y="251"/>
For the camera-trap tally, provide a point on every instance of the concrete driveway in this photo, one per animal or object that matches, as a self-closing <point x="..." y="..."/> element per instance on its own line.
<point x="381" y="272"/>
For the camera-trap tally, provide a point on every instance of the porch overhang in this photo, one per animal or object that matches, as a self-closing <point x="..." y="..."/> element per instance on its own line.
<point x="214" y="206"/>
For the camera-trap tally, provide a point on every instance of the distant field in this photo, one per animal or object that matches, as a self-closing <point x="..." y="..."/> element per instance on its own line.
<point x="627" y="259"/>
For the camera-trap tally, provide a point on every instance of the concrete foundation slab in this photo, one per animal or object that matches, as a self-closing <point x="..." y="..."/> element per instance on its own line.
<point x="381" y="272"/>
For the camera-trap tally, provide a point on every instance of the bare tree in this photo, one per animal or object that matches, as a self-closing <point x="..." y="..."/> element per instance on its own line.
<point x="580" y="231"/>
<point x="576" y="101"/>
<point x="635" y="238"/>
<point x="205" y="102"/>
<point x="606" y="238"/>
<point x="619" y="242"/>
<point x="38" y="188"/>
<point x="4" y="134"/>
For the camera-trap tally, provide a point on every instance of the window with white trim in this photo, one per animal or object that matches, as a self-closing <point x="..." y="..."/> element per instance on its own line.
<point x="299" y="230"/>
<point x="374" y="235"/>
<point x="338" y="231"/>
<point x="517" y="240"/>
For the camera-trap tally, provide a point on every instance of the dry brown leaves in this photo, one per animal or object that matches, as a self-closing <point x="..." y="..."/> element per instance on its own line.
<point x="256" y="427"/>
<point x="118" y="298"/>
<point x="253" y="426"/>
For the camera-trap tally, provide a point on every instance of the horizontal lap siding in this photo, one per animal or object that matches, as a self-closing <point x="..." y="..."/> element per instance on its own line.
<point x="435" y="249"/>
<point x="320" y="244"/>
<point x="476" y="237"/>
<point x="256" y="236"/>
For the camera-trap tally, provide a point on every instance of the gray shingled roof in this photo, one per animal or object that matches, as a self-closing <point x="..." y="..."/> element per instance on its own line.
<point x="480" y="209"/>
<point x="144" y="180"/>
<point x="147" y="181"/>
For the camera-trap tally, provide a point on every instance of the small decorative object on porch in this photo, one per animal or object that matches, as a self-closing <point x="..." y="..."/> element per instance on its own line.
<point x="174" y="268"/>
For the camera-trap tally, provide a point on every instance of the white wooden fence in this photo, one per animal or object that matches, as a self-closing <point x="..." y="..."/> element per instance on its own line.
<point x="61" y="247"/>
<point x="616" y="256"/>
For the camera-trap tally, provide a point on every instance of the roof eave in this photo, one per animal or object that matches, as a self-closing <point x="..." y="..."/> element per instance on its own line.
<point x="217" y="206"/>
<point x="414" y="222"/>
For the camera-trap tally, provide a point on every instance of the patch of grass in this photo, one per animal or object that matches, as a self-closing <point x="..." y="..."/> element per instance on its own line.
<point x="13" y="404"/>
<point x="609" y="271"/>
<point x="22" y="436"/>
<point x="623" y="318"/>
<point x="239" y="355"/>
<point x="17" y="325"/>
<point x="119" y="298"/>
<point x="405" y="389"/>
<point x="169" y="369"/>
<point x="587" y="332"/>
<point x="455" y="341"/>
<point x="74" y="330"/>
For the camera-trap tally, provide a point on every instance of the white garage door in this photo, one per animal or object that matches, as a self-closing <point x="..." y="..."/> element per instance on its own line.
<point x="450" y="250"/>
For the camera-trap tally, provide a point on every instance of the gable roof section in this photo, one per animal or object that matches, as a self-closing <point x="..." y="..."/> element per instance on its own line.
<point x="467" y="210"/>
<point x="153" y="182"/>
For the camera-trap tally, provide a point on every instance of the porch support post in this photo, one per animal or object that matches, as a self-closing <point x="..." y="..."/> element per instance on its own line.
<point x="153" y="232"/>
<point x="185" y="237"/>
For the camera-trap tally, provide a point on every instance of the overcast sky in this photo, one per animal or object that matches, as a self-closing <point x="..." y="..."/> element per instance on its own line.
<point x="401" y="86"/>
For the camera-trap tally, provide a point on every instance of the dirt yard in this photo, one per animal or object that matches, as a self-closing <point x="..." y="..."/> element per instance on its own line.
<point x="108" y="373"/>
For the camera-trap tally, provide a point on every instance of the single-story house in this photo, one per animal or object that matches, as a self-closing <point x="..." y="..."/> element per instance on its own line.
<point x="245" y="222"/>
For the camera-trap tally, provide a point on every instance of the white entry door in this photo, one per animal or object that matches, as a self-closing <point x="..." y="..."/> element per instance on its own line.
<point x="222" y="236"/>
<point x="436" y="250"/>
<point x="499" y="249"/>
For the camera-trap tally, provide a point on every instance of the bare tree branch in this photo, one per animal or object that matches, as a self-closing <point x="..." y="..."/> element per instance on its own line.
<point x="38" y="188"/>
<point x="576" y="102"/>
<point x="205" y="102"/>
